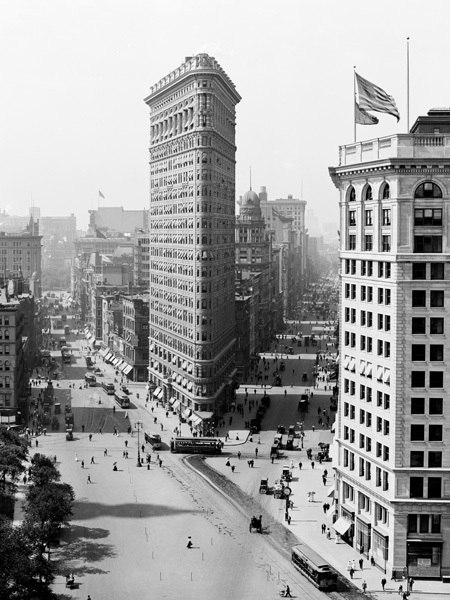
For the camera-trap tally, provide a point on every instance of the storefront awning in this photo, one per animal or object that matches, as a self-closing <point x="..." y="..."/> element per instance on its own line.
<point x="123" y="366"/>
<point x="190" y="385"/>
<point x="331" y="493"/>
<point x="342" y="526"/>
<point x="196" y="420"/>
<point x="176" y="404"/>
<point x="127" y="369"/>
<point x="108" y="356"/>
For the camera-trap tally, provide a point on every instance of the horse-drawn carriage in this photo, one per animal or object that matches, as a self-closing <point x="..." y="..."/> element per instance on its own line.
<point x="256" y="523"/>
<point x="264" y="486"/>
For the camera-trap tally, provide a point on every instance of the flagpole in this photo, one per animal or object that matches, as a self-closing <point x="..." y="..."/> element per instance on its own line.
<point x="407" y="85"/>
<point x="354" y="103"/>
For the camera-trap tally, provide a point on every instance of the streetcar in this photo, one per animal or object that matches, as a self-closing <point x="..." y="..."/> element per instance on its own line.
<point x="313" y="567"/>
<point x="108" y="387"/>
<point x="196" y="445"/>
<point x="122" y="399"/>
<point x="90" y="379"/>
<point x="154" y="439"/>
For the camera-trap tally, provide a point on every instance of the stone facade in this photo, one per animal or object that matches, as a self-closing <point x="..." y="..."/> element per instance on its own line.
<point x="393" y="433"/>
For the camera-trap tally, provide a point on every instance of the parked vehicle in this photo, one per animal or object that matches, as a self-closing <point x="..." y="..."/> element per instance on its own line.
<point x="264" y="486"/>
<point x="256" y="523"/>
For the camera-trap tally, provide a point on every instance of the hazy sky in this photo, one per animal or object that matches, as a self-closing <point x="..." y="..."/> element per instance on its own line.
<point x="74" y="75"/>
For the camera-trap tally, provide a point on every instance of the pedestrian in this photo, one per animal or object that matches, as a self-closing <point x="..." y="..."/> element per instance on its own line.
<point x="232" y="468"/>
<point x="88" y="598"/>
<point x="189" y="542"/>
<point x="383" y="583"/>
<point x="287" y="592"/>
<point x="400" y="590"/>
<point x="89" y="479"/>
<point x="126" y="443"/>
<point x="126" y="415"/>
<point x="312" y="464"/>
<point x="143" y="448"/>
<point x="323" y="527"/>
<point x="160" y="463"/>
<point x="300" y="465"/>
<point x="90" y="437"/>
<point x="114" y="409"/>
<point x="364" y="586"/>
<point x="324" y="507"/>
<point x="372" y="561"/>
<point x="354" y="564"/>
<point x="361" y="563"/>
<point x="105" y="452"/>
<point x="100" y="431"/>
<point x="256" y="452"/>
<point x="239" y="455"/>
<point x="328" y="533"/>
<point x="411" y="583"/>
<point x="349" y="566"/>
<point x="324" y="479"/>
<point x="92" y="461"/>
<point x="352" y="572"/>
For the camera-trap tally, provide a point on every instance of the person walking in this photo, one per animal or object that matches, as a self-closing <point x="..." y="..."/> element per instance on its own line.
<point x="89" y="479"/>
<point x="82" y="464"/>
<point x="256" y="452"/>
<point x="352" y="572"/>
<point x="383" y="583"/>
<point x="353" y="565"/>
<point x="361" y="563"/>
<point x="189" y="542"/>
<point x="400" y="590"/>
<point x="287" y="592"/>
<point x="323" y="527"/>
<point x="92" y="461"/>
<point x="411" y="583"/>
<point x="364" y="586"/>
<point x="90" y="437"/>
<point x="105" y="452"/>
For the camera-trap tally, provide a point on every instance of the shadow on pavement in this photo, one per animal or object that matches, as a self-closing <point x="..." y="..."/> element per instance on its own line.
<point x="86" y="510"/>
<point x="81" y="545"/>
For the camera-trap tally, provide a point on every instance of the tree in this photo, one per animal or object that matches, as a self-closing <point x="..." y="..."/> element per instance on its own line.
<point x="48" y="508"/>
<point x="24" y="575"/>
<point x="43" y="470"/>
<point x="13" y="453"/>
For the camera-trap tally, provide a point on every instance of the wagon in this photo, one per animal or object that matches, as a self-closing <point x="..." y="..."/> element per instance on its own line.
<point x="264" y="486"/>
<point x="256" y="523"/>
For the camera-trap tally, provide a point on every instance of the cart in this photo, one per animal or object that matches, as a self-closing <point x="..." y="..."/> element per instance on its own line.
<point x="264" y="486"/>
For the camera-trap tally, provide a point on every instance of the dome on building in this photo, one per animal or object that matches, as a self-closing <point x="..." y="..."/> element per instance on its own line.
<point x="250" y="199"/>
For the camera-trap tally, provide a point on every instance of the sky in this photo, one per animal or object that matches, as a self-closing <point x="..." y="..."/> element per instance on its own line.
<point x="74" y="74"/>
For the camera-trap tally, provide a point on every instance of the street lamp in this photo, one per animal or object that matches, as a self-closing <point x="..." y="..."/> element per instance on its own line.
<point x="138" y="426"/>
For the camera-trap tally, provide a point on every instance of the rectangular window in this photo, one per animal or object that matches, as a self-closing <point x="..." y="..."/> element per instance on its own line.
<point x="434" y="460"/>
<point x="387" y="297"/>
<point x="363" y="342"/>
<point x="437" y="271"/>
<point x="353" y="267"/>
<point x="352" y="242"/>
<point x="380" y="269"/>
<point x="369" y="344"/>
<point x="380" y="347"/>
<point x="435" y="433"/>
<point x="368" y="394"/>
<point x="418" y="379"/>
<point x="419" y="270"/>
<point x="427" y="244"/>
<point x="417" y="406"/>
<point x="428" y="217"/>
<point x="437" y="298"/>
<point x="368" y="242"/>
<point x="423" y="523"/>
<point x="412" y="523"/>
<point x="435" y="523"/>
<point x="419" y="298"/>
<point x="369" y="268"/>
<point x="363" y="293"/>
<point x="418" y="352"/>
<point x="363" y="267"/>
<point x="387" y="401"/>
<point x="380" y="321"/>
<point x="416" y="458"/>
<point x="417" y="433"/>
<point x="379" y="398"/>
<point x="436" y="406"/>
<point x="369" y="217"/>
<point x="353" y="291"/>
<point x="416" y="487"/>
<point x="436" y="325"/>
<point x="369" y="319"/>
<point x="418" y="325"/>
<point x="434" y="487"/>
<point x="347" y="314"/>
<point x="352" y="218"/>
<point x="387" y="323"/>
<point x="363" y="318"/>
<point x="387" y="270"/>
<point x="387" y="349"/>
<point x="353" y="315"/>
<point x="436" y="379"/>
<point x="437" y="352"/>
<point x="369" y="293"/>
<point x="352" y="340"/>
<point x="386" y="216"/>
<point x="347" y="290"/>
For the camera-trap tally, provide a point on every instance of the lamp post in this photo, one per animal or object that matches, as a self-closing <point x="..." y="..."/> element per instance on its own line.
<point x="138" y="426"/>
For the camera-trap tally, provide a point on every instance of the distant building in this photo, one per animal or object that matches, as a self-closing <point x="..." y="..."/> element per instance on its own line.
<point x="20" y="260"/>
<point x="17" y="354"/>
<point x="114" y="220"/>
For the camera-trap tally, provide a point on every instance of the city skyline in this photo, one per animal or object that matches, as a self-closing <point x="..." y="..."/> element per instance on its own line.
<point x="88" y="67"/>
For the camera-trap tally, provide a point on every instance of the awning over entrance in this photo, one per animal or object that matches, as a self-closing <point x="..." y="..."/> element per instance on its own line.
<point x="331" y="493"/>
<point x="128" y="369"/>
<point x="108" y="356"/>
<point x="342" y="526"/>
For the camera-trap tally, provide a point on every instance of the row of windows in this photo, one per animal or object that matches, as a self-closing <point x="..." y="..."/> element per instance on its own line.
<point x="419" y="352"/>
<point x="433" y="487"/>
<point x="420" y="269"/>
<point x="417" y="433"/>
<point x="368" y="243"/>
<point x="366" y="293"/>
<point x="366" y="319"/>
<point x="424" y="523"/>
<point x="366" y="344"/>
<point x="435" y="406"/>
<point x="419" y="298"/>
<point x="435" y="379"/>
<point x="428" y="189"/>
<point x="365" y="470"/>
<point x="417" y="459"/>
<point x="368" y="217"/>
<point x="436" y="325"/>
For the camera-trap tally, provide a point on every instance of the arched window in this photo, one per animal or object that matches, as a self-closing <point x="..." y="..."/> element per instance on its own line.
<point x="428" y="189"/>
<point x="351" y="194"/>
<point x="386" y="191"/>
<point x="368" y="193"/>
